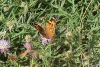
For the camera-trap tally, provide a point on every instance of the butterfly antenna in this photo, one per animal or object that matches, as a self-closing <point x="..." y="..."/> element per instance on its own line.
<point x="33" y="24"/>
<point x="56" y="17"/>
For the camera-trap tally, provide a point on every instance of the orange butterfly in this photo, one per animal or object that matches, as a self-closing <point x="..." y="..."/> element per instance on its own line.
<point x="48" y="30"/>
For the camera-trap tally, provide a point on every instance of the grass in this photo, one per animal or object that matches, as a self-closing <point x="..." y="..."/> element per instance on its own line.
<point x="77" y="34"/>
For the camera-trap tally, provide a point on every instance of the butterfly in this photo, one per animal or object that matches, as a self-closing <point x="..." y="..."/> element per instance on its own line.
<point x="47" y="30"/>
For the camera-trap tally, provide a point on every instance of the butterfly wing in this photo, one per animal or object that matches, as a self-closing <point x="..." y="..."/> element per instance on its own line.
<point x="40" y="29"/>
<point x="50" y="28"/>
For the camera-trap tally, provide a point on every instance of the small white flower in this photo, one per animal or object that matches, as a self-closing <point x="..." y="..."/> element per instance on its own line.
<point x="4" y="46"/>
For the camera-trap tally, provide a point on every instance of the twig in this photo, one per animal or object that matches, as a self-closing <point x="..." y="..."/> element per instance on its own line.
<point x="85" y="12"/>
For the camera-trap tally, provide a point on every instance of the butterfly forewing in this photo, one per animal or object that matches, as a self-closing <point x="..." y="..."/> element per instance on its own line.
<point x="40" y="29"/>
